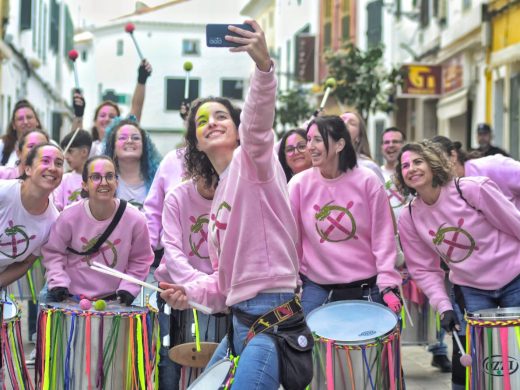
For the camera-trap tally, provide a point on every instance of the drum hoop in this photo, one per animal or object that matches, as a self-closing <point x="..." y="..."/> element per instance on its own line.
<point x="386" y="338"/>
<point x="94" y="313"/>
<point x="149" y="306"/>
<point x="18" y="314"/>
<point x="488" y="323"/>
<point x="233" y="363"/>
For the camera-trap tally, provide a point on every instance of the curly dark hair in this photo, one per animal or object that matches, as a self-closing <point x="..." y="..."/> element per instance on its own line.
<point x="197" y="163"/>
<point x="436" y="159"/>
<point x="281" y="152"/>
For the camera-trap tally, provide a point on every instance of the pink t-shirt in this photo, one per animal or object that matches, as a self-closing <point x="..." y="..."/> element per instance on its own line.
<point x="127" y="249"/>
<point x="481" y="248"/>
<point x="185" y="239"/>
<point x="252" y="234"/>
<point x="168" y="175"/>
<point x="345" y="227"/>
<point x="69" y="191"/>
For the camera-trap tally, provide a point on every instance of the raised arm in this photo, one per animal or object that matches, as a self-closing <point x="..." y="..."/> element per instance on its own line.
<point x="144" y="71"/>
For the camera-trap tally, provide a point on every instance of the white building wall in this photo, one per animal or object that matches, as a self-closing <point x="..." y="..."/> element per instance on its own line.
<point x="160" y="35"/>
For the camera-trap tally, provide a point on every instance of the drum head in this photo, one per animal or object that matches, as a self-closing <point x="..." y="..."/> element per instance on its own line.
<point x="213" y="377"/>
<point x="10" y="310"/>
<point x="352" y="322"/>
<point x="496" y="313"/>
<point x="152" y="302"/>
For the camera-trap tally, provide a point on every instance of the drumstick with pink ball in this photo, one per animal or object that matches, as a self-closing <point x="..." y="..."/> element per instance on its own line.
<point x="73" y="56"/>
<point x="188" y="66"/>
<point x="129" y="28"/>
<point x="465" y="359"/>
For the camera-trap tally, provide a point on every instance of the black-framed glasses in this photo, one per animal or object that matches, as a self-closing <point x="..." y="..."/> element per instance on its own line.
<point x="301" y="148"/>
<point x="98" y="178"/>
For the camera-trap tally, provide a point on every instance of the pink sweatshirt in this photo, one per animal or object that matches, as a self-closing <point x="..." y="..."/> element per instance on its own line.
<point x="185" y="239"/>
<point x="127" y="250"/>
<point x="8" y="173"/>
<point x="69" y="191"/>
<point x="482" y="249"/>
<point x="253" y="236"/>
<point x="345" y="227"/>
<point x="21" y="233"/>
<point x="504" y="171"/>
<point x="168" y="175"/>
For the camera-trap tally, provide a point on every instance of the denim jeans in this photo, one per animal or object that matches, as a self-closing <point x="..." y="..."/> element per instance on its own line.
<point x="258" y="366"/>
<point x="313" y="295"/>
<point x="440" y="348"/>
<point x="507" y="296"/>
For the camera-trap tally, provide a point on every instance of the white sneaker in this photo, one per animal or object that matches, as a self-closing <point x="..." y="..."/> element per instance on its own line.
<point x="32" y="358"/>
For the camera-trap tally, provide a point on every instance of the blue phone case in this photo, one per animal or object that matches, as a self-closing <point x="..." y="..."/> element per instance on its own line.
<point x="215" y="34"/>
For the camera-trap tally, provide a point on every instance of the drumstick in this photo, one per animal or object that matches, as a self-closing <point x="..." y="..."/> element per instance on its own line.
<point x="73" y="55"/>
<point x="129" y="28"/>
<point x="188" y="66"/>
<point x="330" y="84"/>
<point x="406" y="310"/>
<point x="113" y="272"/>
<point x="465" y="359"/>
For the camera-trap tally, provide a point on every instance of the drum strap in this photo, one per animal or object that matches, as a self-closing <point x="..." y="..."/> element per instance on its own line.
<point x="270" y="319"/>
<point x="106" y="233"/>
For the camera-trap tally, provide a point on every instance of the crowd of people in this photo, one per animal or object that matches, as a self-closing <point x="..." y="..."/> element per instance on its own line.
<point x="249" y="231"/>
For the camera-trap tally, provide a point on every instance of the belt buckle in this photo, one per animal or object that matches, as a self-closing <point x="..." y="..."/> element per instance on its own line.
<point x="363" y="285"/>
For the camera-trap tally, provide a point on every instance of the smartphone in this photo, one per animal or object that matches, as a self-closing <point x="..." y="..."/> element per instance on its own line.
<point x="215" y="34"/>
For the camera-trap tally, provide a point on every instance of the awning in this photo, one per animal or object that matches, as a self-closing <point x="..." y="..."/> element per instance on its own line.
<point x="453" y="105"/>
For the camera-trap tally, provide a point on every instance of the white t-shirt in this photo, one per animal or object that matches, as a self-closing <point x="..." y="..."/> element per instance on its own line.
<point x="21" y="233"/>
<point x="133" y="194"/>
<point x="13" y="158"/>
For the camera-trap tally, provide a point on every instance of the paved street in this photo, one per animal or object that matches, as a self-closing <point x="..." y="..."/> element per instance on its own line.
<point x="419" y="374"/>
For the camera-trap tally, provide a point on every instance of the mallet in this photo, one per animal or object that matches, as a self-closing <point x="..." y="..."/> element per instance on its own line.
<point x="330" y="85"/>
<point x="188" y="66"/>
<point x="73" y="56"/>
<point x="129" y="28"/>
<point x="465" y="359"/>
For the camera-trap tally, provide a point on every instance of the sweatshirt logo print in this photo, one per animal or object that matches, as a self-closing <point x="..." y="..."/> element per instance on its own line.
<point x="331" y="224"/>
<point x="74" y="195"/>
<point x="394" y="197"/>
<point x="17" y="239"/>
<point x="197" y="229"/>
<point x="453" y="244"/>
<point x="219" y="222"/>
<point x="108" y="251"/>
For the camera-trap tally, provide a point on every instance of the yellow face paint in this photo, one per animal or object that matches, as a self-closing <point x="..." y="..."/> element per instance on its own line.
<point x="202" y="117"/>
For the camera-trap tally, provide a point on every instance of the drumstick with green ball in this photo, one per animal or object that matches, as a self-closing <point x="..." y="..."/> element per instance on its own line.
<point x="330" y="85"/>
<point x="188" y="66"/>
<point x="465" y="359"/>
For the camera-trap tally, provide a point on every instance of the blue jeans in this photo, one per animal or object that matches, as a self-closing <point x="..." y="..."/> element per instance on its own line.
<point x="258" y="366"/>
<point x="439" y="348"/>
<point x="507" y="296"/>
<point x="313" y="295"/>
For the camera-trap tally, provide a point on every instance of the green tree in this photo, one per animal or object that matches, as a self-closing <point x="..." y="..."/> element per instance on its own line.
<point x="293" y="108"/>
<point x="362" y="80"/>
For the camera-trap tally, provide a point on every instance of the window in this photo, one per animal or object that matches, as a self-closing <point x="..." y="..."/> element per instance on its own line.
<point x="233" y="89"/>
<point x="175" y="92"/>
<point x="120" y="45"/>
<point x="327" y="35"/>
<point x="84" y="55"/>
<point x="190" y="47"/>
<point x="374" y="23"/>
<point x="466" y="4"/>
<point x="25" y="14"/>
<point x="345" y="20"/>
<point x="69" y="33"/>
<point x="424" y="16"/>
<point x="54" y="26"/>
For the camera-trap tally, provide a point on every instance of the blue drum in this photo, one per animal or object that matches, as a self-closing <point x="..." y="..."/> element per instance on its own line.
<point x="357" y="346"/>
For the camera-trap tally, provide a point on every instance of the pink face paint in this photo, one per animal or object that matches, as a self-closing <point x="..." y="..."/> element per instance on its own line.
<point x="313" y="132"/>
<point x="33" y="139"/>
<point x="293" y="140"/>
<point x="49" y="156"/>
<point x="98" y="166"/>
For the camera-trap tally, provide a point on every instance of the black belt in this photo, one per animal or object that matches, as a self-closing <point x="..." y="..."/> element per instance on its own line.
<point x="368" y="283"/>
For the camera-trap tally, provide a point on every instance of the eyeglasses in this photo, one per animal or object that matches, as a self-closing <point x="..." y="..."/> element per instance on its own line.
<point x="97" y="178"/>
<point x="133" y="138"/>
<point x="290" y="150"/>
<point x="392" y="142"/>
